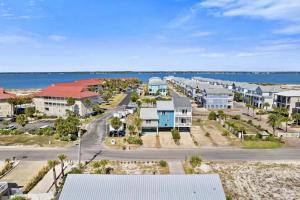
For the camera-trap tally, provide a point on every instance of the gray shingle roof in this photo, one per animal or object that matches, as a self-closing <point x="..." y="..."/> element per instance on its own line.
<point x="148" y="113"/>
<point x="165" y="105"/>
<point x="217" y="91"/>
<point x="145" y="187"/>
<point x="181" y="102"/>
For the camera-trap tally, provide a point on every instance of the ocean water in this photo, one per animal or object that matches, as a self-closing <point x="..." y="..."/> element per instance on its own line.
<point x="40" y="80"/>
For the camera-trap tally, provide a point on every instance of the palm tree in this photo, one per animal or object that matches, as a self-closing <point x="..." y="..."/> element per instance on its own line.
<point x="296" y="117"/>
<point x="62" y="158"/>
<point x="131" y="129"/>
<point x="253" y="111"/>
<point x="260" y="112"/>
<point x="286" y="120"/>
<point x="116" y="123"/>
<point x="52" y="164"/>
<point x="274" y="120"/>
<point x="248" y="106"/>
<point x="137" y="123"/>
<point x="266" y="105"/>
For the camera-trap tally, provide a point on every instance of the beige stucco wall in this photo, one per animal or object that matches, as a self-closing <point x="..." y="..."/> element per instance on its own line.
<point x="6" y="109"/>
<point x="61" y="106"/>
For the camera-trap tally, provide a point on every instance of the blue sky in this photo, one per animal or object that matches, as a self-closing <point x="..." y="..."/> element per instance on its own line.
<point x="96" y="35"/>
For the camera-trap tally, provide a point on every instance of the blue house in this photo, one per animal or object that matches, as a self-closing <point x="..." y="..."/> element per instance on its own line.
<point x="165" y="112"/>
<point x="157" y="85"/>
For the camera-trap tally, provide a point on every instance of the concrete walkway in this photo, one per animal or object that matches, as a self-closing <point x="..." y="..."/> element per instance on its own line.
<point x="45" y="184"/>
<point x="175" y="167"/>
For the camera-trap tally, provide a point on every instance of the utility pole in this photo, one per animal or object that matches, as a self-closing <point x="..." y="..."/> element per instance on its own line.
<point x="79" y="147"/>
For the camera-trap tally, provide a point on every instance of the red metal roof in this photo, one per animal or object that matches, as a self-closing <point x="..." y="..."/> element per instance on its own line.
<point x="82" y="83"/>
<point x="6" y="95"/>
<point x="66" y="91"/>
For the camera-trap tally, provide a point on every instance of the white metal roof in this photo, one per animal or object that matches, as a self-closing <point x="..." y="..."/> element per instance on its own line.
<point x="148" y="113"/>
<point x="144" y="187"/>
<point x="290" y="93"/>
<point x="165" y="105"/>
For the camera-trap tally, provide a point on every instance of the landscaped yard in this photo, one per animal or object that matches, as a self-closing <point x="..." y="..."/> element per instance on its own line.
<point x="114" y="102"/>
<point x="211" y="133"/>
<point x="126" y="167"/>
<point x="31" y="140"/>
<point x="261" y="144"/>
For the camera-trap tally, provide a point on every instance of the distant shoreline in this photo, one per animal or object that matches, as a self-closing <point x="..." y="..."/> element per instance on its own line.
<point x="147" y="72"/>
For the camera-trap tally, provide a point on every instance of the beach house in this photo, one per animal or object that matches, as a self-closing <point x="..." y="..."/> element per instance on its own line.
<point x="288" y="99"/>
<point x="6" y="109"/>
<point x="157" y="86"/>
<point x="216" y="98"/>
<point x="167" y="115"/>
<point x="182" y="112"/>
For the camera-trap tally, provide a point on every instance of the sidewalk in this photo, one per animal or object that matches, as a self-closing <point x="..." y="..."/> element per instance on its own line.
<point x="45" y="184"/>
<point x="175" y="167"/>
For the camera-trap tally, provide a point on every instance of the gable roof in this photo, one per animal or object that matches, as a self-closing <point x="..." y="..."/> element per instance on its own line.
<point x="181" y="102"/>
<point x="147" y="187"/>
<point x="5" y="95"/>
<point x="165" y="105"/>
<point x="148" y="113"/>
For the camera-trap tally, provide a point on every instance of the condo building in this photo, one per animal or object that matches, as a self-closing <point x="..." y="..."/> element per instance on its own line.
<point x="288" y="99"/>
<point x="6" y="109"/>
<point x="53" y="100"/>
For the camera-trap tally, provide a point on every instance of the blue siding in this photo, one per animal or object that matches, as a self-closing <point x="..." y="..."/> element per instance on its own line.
<point x="166" y="118"/>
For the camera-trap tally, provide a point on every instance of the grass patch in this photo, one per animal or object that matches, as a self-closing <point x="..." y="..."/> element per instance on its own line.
<point x="40" y="140"/>
<point x="260" y="144"/>
<point x="119" y="141"/>
<point x="250" y="129"/>
<point x="114" y="102"/>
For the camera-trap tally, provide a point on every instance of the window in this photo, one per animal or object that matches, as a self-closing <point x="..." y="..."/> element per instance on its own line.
<point x="184" y="111"/>
<point x="46" y="109"/>
<point x="148" y="121"/>
<point x="163" y="113"/>
<point x="183" y="121"/>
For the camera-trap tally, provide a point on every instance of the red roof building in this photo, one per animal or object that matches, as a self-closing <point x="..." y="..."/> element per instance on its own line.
<point x="66" y="91"/>
<point x="6" y="95"/>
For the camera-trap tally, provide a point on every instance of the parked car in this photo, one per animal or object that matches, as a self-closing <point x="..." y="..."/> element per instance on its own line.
<point x="11" y="127"/>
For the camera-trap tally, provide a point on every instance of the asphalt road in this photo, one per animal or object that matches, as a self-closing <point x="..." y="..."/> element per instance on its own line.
<point x="92" y="149"/>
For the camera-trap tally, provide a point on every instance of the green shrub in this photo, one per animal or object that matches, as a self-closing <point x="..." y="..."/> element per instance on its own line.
<point x="11" y="132"/>
<point x="225" y="133"/>
<point x="212" y="115"/>
<point x="39" y="176"/>
<point x="195" y="161"/>
<point x="134" y="140"/>
<point x="207" y="134"/>
<point x="175" y="134"/>
<point x="236" y="117"/>
<point x="250" y="122"/>
<point x="163" y="163"/>
<point x="75" y="170"/>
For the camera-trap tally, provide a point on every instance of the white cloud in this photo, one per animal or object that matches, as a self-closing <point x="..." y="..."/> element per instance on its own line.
<point x="57" y="38"/>
<point x="290" y="30"/>
<point x="202" y="34"/>
<point x="267" y="9"/>
<point x="14" y="39"/>
<point x="212" y="55"/>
